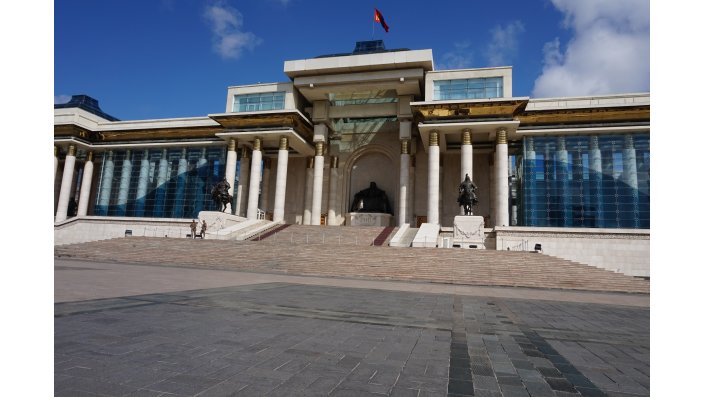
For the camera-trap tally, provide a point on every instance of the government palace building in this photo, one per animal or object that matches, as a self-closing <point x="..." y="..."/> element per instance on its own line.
<point x="566" y="176"/>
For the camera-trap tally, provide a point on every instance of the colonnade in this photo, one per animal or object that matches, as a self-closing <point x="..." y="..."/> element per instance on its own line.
<point x="248" y="190"/>
<point x="500" y="182"/>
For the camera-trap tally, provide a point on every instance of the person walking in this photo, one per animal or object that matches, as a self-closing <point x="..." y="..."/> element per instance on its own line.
<point x="203" y="229"/>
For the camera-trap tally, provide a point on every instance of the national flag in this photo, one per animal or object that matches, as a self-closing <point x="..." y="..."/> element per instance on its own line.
<point x="379" y="18"/>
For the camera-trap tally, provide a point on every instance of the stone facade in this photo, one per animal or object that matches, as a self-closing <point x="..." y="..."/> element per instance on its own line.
<point x="383" y="116"/>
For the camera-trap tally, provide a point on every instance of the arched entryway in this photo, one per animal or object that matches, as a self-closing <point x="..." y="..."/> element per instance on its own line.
<point x="372" y="164"/>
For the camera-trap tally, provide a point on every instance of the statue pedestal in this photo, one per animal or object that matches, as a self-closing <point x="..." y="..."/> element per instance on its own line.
<point x="468" y="232"/>
<point x="217" y="220"/>
<point x="368" y="219"/>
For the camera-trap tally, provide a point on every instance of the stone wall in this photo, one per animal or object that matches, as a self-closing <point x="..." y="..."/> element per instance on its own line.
<point x="625" y="251"/>
<point x="94" y="228"/>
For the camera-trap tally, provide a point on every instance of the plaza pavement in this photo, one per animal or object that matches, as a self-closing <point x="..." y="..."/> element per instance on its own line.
<point x="141" y="330"/>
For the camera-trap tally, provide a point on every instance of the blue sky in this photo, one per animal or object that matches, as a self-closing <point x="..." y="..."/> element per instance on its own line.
<point x="168" y="58"/>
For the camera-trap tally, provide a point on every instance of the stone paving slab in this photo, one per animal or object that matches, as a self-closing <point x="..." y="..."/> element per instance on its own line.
<point x="285" y="339"/>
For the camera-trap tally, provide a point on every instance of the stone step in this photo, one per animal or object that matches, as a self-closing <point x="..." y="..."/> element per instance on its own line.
<point x="452" y="266"/>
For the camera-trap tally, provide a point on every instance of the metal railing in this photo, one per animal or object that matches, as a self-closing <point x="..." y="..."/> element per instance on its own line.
<point x="514" y="245"/>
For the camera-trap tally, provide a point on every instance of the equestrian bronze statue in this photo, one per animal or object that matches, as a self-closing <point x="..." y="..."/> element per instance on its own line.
<point x="221" y="196"/>
<point x="468" y="197"/>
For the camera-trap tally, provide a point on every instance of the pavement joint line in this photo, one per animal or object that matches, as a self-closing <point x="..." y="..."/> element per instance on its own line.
<point x="554" y="358"/>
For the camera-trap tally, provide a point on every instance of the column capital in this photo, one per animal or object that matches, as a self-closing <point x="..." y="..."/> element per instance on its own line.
<point x="56" y="151"/>
<point x="467" y="137"/>
<point x="257" y="144"/>
<point x="283" y="143"/>
<point x="501" y="136"/>
<point x="319" y="148"/>
<point x="405" y="146"/>
<point x="232" y="145"/>
<point x="89" y="156"/>
<point x="72" y="150"/>
<point x="245" y="153"/>
<point x="333" y="162"/>
<point x="433" y="138"/>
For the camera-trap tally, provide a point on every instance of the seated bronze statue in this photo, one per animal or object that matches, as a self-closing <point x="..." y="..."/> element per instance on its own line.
<point x="372" y="199"/>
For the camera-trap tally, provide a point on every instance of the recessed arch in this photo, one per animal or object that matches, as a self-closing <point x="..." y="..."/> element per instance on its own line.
<point x="371" y="163"/>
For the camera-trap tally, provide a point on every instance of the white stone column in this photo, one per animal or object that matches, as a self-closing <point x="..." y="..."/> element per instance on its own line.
<point x="308" y="194"/>
<point x="564" y="170"/>
<point x="411" y="193"/>
<point x="86" y="185"/>
<point x="318" y="164"/>
<point x="255" y="172"/>
<point x="56" y="160"/>
<point x="441" y="181"/>
<point x="595" y="160"/>
<point x="280" y="192"/>
<point x="501" y="173"/>
<point x="141" y="196"/>
<point x="434" y="156"/>
<point x="178" y="208"/>
<point x="201" y="179"/>
<point x="465" y="159"/>
<point x="230" y="170"/>
<point x="265" y="184"/>
<point x="106" y="183"/>
<point x="530" y="209"/>
<point x="125" y="176"/>
<point x="242" y="186"/>
<point x="332" y="218"/>
<point x="402" y="217"/>
<point x="160" y="201"/>
<point x="630" y="175"/>
<point x="66" y="181"/>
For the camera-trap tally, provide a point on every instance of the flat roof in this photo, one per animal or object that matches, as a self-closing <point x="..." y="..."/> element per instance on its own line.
<point x="360" y="63"/>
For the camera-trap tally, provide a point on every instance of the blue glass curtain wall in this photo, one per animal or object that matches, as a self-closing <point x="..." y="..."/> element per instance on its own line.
<point x="586" y="181"/>
<point x="159" y="183"/>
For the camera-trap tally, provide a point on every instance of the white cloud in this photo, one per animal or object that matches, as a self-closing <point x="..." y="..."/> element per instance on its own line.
<point x="609" y="52"/>
<point x="59" y="99"/>
<point x="504" y="44"/>
<point x="459" y="58"/>
<point x="226" y="24"/>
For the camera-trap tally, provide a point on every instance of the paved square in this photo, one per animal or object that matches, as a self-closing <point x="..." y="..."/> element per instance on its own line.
<point x="285" y="339"/>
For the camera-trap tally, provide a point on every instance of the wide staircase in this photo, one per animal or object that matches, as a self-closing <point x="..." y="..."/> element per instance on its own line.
<point x="331" y="235"/>
<point x="352" y="253"/>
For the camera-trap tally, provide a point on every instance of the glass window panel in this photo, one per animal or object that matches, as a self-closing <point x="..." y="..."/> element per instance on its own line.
<point x="549" y="197"/>
<point x="260" y="101"/>
<point x="468" y="88"/>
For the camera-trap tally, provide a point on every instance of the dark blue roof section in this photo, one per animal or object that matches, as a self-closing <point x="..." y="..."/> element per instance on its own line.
<point x="86" y="103"/>
<point x="365" y="47"/>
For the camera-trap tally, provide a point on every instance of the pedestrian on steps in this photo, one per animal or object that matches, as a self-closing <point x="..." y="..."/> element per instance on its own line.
<point x="193" y="228"/>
